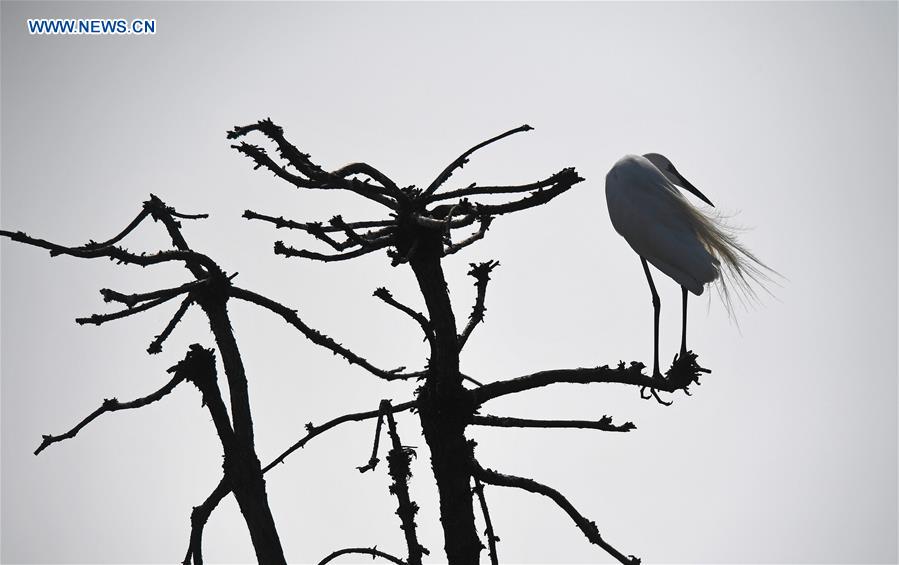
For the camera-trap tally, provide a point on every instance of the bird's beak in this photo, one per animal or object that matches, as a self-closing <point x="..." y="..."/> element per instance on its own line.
<point x="685" y="184"/>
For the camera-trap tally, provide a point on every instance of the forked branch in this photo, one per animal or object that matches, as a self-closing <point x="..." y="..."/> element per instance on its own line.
<point x="588" y="527"/>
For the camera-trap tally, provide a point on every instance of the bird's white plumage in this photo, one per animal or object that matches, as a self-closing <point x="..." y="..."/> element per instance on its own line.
<point x="658" y="223"/>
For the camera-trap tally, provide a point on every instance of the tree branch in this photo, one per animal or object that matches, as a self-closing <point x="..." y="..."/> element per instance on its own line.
<point x="605" y="423"/>
<point x="473" y="189"/>
<point x="683" y="372"/>
<point x="481" y="273"/>
<point x="287" y="251"/>
<point x="488" y="525"/>
<point x="373" y="460"/>
<point x="113" y="253"/>
<point x="315" y="176"/>
<point x="398" y="460"/>
<point x="110" y="405"/>
<point x="476" y="236"/>
<point x="586" y="526"/>
<point x="373" y="551"/>
<point x="198" y="518"/>
<point x="98" y="319"/>
<point x="388" y="298"/>
<point x="130" y="300"/>
<point x="462" y="159"/>
<point x="313" y="431"/>
<point x="156" y="344"/>
<point x="565" y="179"/>
<point x="318" y="338"/>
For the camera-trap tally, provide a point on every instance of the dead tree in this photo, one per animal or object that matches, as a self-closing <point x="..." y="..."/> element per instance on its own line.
<point x="418" y="229"/>
<point x="210" y="289"/>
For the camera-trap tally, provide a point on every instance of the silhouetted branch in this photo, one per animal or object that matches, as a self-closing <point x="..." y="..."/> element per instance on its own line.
<point x="113" y="253"/>
<point x="565" y="179"/>
<point x="398" y="460"/>
<point x="156" y="344"/>
<point x="130" y="300"/>
<point x="110" y="405"/>
<point x="98" y="319"/>
<point x="366" y="240"/>
<point x="316" y="337"/>
<point x="313" y="175"/>
<point x="481" y="273"/>
<point x="287" y="251"/>
<point x="314" y="431"/>
<point x="373" y="551"/>
<point x="478" y="235"/>
<point x="462" y="159"/>
<point x="488" y="525"/>
<point x="198" y="518"/>
<point x="473" y="189"/>
<point x="683" y="372"/>
<point x="373" y="460"/>
<point x="121" y="235"/>
<point x="605" y="423"/>
<point x="385" y="295"/>
<point x="586" y="526"/>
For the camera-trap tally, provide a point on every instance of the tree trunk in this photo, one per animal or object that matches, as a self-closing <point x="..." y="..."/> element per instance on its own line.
<point x="445" y="408"/>
<point x="242" y="468"/>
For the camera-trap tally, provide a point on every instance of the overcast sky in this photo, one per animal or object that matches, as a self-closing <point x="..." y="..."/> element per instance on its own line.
<point x="783" y="114"/>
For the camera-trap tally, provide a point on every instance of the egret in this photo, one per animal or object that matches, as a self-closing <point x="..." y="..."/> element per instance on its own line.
<point x="689" y="244"/>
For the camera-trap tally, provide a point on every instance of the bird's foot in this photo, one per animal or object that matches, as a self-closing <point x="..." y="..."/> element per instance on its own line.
<point x="653" y="393"/>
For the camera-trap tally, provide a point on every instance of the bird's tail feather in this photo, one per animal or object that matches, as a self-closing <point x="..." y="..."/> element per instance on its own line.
<point x="740" y="273"/>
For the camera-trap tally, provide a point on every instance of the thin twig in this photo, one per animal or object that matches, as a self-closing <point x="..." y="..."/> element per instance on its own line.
<point x="488" y="525"/>
<point x="388" y="298"/>
<point x="463" y="158"/>
<point x="156" y="344"/>
<point x="605" y="423"/>
<point x="110" y="405"/>
<point x="287" y="251"/>
<point x="473" y="189"/>
<point x="198" y="518"/>
<point x="313" y="431"/>
<point x="588" y="527"/>
<point x="373" y="551"/>
<point x="481" y="273"/>
<point x="373" y="460"/>
<point x="476" y="236"/>
<point x="130" y="300"/>
<point x="98" y="319"/>
<point x="318" y="338"/>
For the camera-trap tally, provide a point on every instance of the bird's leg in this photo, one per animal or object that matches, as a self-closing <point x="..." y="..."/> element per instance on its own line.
<point x="683" y="335"/>
<point x="657" y="307"/>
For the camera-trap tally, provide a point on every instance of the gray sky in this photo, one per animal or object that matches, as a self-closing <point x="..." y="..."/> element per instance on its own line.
<point x="782" y="114"/>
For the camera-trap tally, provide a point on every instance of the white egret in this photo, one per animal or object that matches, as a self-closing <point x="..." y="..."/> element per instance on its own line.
<point x="686" y="243"/>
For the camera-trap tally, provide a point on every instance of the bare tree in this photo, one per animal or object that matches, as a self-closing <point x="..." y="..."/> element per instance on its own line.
<point x="418" y="229"/>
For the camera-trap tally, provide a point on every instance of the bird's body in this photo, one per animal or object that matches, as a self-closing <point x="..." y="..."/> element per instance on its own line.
<point x="688" y="244"/>
<point x="655" y="219"/>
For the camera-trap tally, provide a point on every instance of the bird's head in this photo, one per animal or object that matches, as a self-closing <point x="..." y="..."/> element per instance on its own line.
<point x="664" y="165"/>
